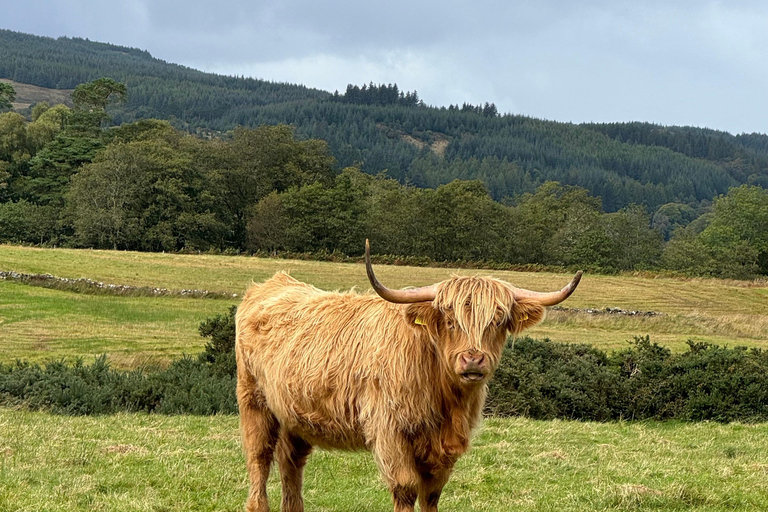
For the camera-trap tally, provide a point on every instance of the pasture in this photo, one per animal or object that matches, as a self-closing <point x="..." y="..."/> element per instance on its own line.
<point x="137" y="462"/>
<point x="39" y="324"/>
<point x="173" y="463"/>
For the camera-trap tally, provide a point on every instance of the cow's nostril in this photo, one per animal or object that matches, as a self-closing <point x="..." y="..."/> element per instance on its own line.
<point x="472" y="359"/>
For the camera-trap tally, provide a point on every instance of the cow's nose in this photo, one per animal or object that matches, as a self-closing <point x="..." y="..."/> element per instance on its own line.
<point x="476" y="360"/>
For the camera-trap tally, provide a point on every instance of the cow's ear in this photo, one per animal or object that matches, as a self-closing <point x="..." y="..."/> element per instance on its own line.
<point x="525" y="313"/>
<point x="423" y="315"/>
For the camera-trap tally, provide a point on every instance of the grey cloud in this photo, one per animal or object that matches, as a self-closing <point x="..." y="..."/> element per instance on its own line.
<point x="681" y="62"/>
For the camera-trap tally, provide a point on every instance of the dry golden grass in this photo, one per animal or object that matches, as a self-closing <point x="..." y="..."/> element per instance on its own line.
<point x="27" y="95"/>
<point x="710" y="310"/>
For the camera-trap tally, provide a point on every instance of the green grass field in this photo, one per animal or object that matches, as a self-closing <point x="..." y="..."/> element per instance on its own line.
<point x="39" y="324"/>
<point x="138" y="462"/>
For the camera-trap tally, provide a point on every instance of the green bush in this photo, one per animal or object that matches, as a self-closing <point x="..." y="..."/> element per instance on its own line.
<point x="75" y="389"/>
<point x="219" y="353"/>
<point x="191" y="386"/>
<point x="545" y="380"/>
<point x="187" y="386"/>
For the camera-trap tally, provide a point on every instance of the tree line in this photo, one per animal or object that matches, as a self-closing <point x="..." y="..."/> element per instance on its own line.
<point x="381" y="128"/>
<point x="69" y="178"/>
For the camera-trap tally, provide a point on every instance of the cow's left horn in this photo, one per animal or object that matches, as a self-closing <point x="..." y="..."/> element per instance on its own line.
<point x="425" y="293"/>
<point x="550" y="298"/>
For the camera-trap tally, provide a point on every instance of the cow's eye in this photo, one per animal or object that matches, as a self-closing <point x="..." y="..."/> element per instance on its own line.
<point x="449" y="324"/>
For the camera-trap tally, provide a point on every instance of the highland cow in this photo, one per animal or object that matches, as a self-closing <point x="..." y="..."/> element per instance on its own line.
<point x="402" y="373"/>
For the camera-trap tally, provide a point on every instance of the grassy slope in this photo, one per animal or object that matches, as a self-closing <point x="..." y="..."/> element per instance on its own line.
<point x="40" y="324"/>
<point x="27" y="95"/>
<point x="139" y="462"/>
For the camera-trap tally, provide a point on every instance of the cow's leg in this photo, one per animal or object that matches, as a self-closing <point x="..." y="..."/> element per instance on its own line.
<point x="398" y="466"/>
<point x="292" y="454"/>
<point x="259" y="430"/>
<point x="432" y="482"/>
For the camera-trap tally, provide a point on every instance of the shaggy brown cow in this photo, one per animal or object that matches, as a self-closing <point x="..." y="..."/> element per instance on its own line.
<point x="404" y="377"/>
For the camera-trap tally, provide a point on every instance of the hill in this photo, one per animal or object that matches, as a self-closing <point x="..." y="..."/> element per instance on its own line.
<point x="425" y="146"/>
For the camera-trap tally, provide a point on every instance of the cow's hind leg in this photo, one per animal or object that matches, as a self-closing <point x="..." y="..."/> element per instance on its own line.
<point x="292" y="454"/>
<point x="259" y="430"/>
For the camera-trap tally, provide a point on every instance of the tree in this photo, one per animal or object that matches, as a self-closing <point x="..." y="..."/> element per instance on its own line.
<point x="268" y="224"/>
<point x="671" y="216"/>
<point x="46" y="124"/>
<point x="7" y="95"/>
<point x="97" y="94"/>
<point x="131" y="196"/>
<point x="76" y="142"/>
<point x="24" y="222"/>
<point x="535" y="223"/>
<point x="731" y="241"/>
<point x="313" y="217"/>
<point x="740" y="218"/>
<point x="259" y="161"/>
<point x="52" y="167"/>
<point x="13" y="137"/>
<point x="39" y="109"/>
<point x="633" y="243"/>
<point x="458" y="221"/>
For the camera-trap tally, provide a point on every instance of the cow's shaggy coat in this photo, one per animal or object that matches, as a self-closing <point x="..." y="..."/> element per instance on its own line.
<point x="352" y="371"/>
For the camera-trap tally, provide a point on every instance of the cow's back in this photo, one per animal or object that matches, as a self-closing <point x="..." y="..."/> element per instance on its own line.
<point x="333" y="366"/>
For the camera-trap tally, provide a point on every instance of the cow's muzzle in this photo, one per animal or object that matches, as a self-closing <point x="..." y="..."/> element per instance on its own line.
<point x="473" y="367"/>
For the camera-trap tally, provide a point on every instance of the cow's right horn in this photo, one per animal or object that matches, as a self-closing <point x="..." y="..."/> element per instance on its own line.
<point x="425" y="293"/>
<point x="550" y="298"/>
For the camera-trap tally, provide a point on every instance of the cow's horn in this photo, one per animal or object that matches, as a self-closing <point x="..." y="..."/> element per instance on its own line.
<point x="425" y="293"/>
<point x="551" y="298"/>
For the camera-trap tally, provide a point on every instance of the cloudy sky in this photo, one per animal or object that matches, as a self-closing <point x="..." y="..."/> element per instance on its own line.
<point x="686" y="62"/>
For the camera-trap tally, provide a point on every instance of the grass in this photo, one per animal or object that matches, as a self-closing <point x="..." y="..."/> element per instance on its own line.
<point x="66" y="324"/>
<point x="171" y="463"/>
<point x="38" y="324"/>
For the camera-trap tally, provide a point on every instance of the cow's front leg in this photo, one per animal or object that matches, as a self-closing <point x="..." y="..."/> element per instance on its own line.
<point x="432" y="483"/>
<point x="394" y="456"/>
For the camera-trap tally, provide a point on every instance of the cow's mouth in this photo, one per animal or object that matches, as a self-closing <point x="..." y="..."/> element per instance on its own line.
<point x="472" y="376"/>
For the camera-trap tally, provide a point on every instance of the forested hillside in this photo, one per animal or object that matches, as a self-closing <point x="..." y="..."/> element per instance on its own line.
<point x="158" y="88"/>
<point x="379" y="128"/>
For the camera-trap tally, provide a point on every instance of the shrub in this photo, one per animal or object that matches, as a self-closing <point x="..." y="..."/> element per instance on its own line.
<point x="75" y="389"/>
<point x="219" y="353"/>
<point x="546" y="380"/>
<point x="187" y="386"/>
<point x="191" y="386"/>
